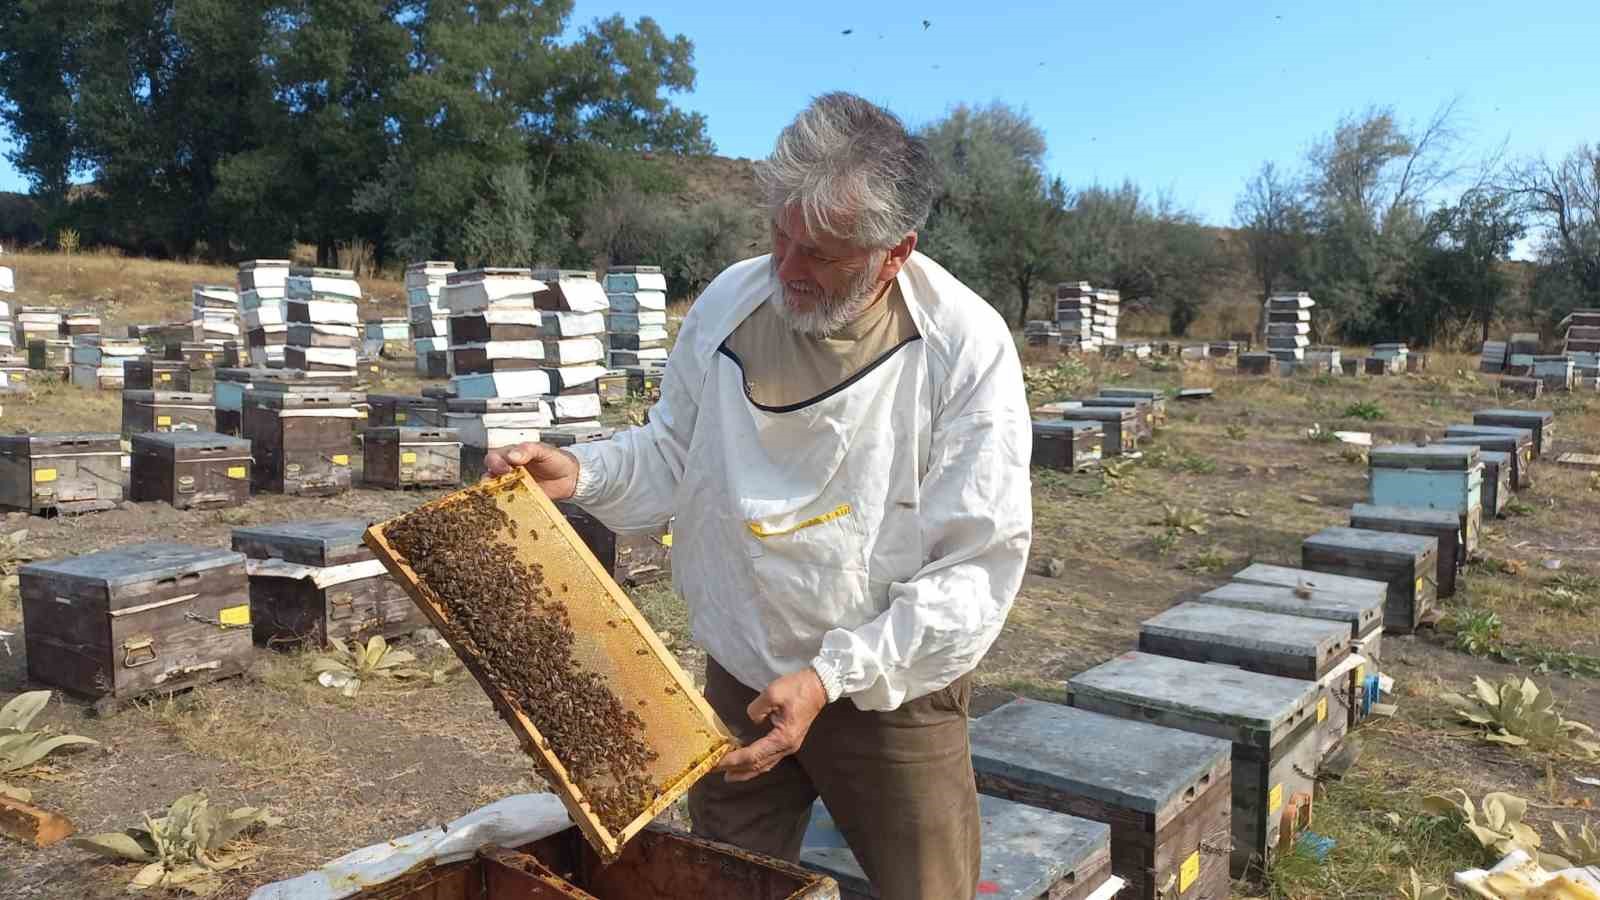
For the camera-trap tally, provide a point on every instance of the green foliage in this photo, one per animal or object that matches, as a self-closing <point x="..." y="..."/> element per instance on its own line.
<point x="1047" y="384"/>
<point x="1414" y="888"/>
<point x="1520" y="713"/>
<point x="1516" y="507"/>
<point x="1579" y="848"/>
<point x="187" y="848"/>
<point x="1496" y="822"/>
<point x="1237" y="432"/>
<point x="20" y="749"/>
<point x="1572" y="592"/>
<point x="1206" y="561"/>
<point x="347" y="667"/>
<point x="1183" y="519"/>
<point x="1366" y="410"/>
<point x="1477" y="631"/>
<point x="1166" y="541"/>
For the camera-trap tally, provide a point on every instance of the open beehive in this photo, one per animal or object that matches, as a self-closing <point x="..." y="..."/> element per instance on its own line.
<point x="613" y="722"/>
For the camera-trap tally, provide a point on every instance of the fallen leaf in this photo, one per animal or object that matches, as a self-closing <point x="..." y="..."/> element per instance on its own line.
<point x="1307" y="498"/>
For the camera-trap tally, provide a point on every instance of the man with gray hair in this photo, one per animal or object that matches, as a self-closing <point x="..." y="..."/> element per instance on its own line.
<point x="843" y="438"/>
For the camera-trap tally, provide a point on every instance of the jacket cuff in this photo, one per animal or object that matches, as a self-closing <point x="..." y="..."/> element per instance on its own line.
<point x="832" y="679"/>
<point x="588" y="485"/>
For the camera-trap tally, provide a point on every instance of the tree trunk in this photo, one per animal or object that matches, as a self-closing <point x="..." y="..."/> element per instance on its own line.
<point x="1024" y="289"/>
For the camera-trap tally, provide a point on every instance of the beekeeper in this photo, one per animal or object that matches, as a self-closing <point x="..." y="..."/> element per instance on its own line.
<point x="842" y="442"/>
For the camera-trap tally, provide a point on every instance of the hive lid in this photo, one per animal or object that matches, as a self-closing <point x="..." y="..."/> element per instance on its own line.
<point x="1063" y="427"/>
<point x="412" y="434"/>
<point x="1433" y="518"/>
<point x="135" y="563"/>
<point x="182" y="397"/>
<point x="1543" y="416"/>
<point x="1027" y="851"/>
<point x="1373" y="543"/>
<point x="1128" y="764"/>
<point x="1245" y="707"/>
<point x="1449" y="457"/>
<point x="1143" y="393"/>
<point x="57" y="439"/>
<point x="1101" y="413"/>
<point x="184" y="439"/>
<point x="1264" y="632"/>
<point x="1501" y="439"/>
<point x="323" y="543"/>
<point x="1362" y="612"/>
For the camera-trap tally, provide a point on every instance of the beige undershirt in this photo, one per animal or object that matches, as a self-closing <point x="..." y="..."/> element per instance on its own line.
<point x="783" y="367"/>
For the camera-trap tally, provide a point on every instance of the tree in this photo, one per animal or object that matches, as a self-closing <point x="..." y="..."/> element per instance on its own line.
<point x="1461" y="276"/>
<point x="1564" y="202"/>
<point x="997" y="217"/>
<point x="1272" y="215"/>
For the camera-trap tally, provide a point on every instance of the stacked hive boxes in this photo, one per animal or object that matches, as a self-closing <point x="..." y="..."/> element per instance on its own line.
<point x="494" y="333"/>
<point x="1289" y="325"/>
<point x="39" y="330"/>
<point x="321" y="336"/>
<point x="1392" y="357"/>
<point x="216" y="314"/>
<point x="1582" y="345"/>
<point x="9" y="339"/>
<point x="1107" y="306"/>
<point x="573" y="309"/>
<point x="1041" y="333"/>
<point x="97" y="361"/>
<point x="80" y="323"/>
<point x="1075" y="316"/>
<point x="1493" y="357"/>
<point x="430" y="331"/>
<point x="262" y="292"/>
<point x="637" y="325"/>
<point x="1519" y="355"/>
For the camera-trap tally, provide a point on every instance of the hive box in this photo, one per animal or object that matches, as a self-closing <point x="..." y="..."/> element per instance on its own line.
<point x="400" y="457"/>
<point x="1158" y="400"/>
<point x="1119" y="427"/>
<point x="1541" y="421"/>
<point x="1028" y="854"/>
<point x="155" y="375"/>
<point x="1068" y="446"/>
<point x="1516" y="441"/>
<point x="396" y="409"/>
<point x="197" y="355"/>
<point x="1436" y="523"/>
<point x="632" y="558"/>
<point x="1296" y="647"/>
<point x="1166" y="794"/>
<point x="1496" y="480"/>
<point x="301" y="441"/>
<point x="190" y="469"/>
<point x="1408" y="563"/>
<point x="1435" y="476"/>
<point x="310" y="581"/>
<point x="1270" y="721"/>
<point x="148" y="411"/>
<point x="1143" y="408"/>
<point x="69" y="472"/>
<point x="140" y="618"/>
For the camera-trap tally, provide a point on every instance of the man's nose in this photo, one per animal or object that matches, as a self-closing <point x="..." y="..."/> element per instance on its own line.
<point x="792" y="267"/>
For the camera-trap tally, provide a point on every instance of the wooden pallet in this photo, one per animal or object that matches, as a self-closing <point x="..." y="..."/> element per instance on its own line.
<point x="679" y="725"/>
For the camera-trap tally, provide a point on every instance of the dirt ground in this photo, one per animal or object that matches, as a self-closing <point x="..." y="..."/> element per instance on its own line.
<point x="350" y="772"/>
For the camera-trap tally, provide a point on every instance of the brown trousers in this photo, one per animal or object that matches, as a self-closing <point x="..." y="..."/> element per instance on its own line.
<point x="898" y="784"/>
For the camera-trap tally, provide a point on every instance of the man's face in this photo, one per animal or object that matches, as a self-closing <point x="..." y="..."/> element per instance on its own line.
<point x="826" y="282"/>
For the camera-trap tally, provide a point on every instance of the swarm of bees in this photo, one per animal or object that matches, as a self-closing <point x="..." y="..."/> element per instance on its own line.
<point x="500" y="610"/>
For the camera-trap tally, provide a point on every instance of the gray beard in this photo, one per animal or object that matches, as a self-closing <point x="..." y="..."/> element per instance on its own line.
<point x="826" y="314"/>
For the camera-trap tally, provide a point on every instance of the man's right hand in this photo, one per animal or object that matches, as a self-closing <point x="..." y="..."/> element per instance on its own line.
<point x="554" y="469"/>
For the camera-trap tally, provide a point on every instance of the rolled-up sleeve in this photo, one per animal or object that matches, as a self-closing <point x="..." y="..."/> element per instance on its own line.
<point x="977" y="525"/>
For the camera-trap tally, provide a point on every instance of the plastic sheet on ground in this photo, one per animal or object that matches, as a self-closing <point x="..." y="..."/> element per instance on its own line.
<point x="1518" y="876"/>
<point x="511" y="822"/>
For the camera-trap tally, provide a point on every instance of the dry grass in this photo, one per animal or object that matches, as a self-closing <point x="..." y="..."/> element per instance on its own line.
<point x="218" y="722"/>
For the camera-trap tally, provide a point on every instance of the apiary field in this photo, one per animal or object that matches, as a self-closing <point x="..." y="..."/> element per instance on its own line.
<point x="1227" y="482"/>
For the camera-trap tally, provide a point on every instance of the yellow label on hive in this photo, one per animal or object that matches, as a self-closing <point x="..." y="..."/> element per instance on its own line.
<point x="666" y="541"/>
<point x="235" y="615"/>
<point x="399" y="418"/>
<point x="361" y="414"/>
<point x="166" y="376"/>
<point x="163" y="420"/>
<point x="1361" y="675"/>
<point x="1322" y="709"/>
<point x="1419" y="587"/>
<point x="374" y="368"/>
<point x="18" y="376"/>
<point x="211" y="356"/>
<point x="237" y="472"/>
<point x="341" y="459"/>
<point x="1189" y="871"/>
<point x="408" y="457"/>
<point x="1274" y="799"/>
<point x="44" y="476"/>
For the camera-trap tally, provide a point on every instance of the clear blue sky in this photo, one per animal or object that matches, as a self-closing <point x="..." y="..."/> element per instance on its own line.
<point x="1187" y="98"/>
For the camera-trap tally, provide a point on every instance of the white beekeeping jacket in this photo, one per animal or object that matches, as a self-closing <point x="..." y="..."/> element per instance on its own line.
<point x="878" y="533"/>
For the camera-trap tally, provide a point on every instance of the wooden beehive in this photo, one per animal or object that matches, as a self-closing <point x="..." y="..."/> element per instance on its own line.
<point x="1028" y="853"/>
<point x="1358" y="602"/>
<point x="1516" y="441"/>
<point x="1256" y="364"/>
<point x="399" y="457"/>
<point x="1157" y="398"/>
<point x="195" y="354"/>
<point x="1436" y="523"/>
<point x="489" y="325"/>
<point x="190" y="469"/>
<point x="612" y="641"/>
<point x="1541" y="422"/>
<point x="1144" y="408"/>
<point x="139" y="618"/>
<point x="300" y="437"/>
<point x="1382" y="365"/>
<point x="1496" y="481"/>
<point x="396" y="409"/>
<point x="635" y="558"/>
<point x="1531" y="388"/>
<point x="149" y="411"/>
<point x="1119" y="427"/>
<point x="1434" y="476"/>
<point x="1166" y="794"/>
<point x="658" y="865"/>
<point x="1406" y="562"/>
<point x="50" y="354"/>
<point x="155" y="375"/>
<point x="310" y="581"/>
<point x="1296" y="647"/>
<point x="433" y="364"/>
<point x="1271" y="722"/>
<point x="1068" y="446"/>
<point x="1351" y="367"/>
<point x="69" y="473"/>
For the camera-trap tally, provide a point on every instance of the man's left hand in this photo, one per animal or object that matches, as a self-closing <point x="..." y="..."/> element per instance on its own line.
<point x="789" y="705"/>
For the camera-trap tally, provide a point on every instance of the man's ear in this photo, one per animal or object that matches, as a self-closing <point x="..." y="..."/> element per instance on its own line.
<point x="898" y="254"/>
